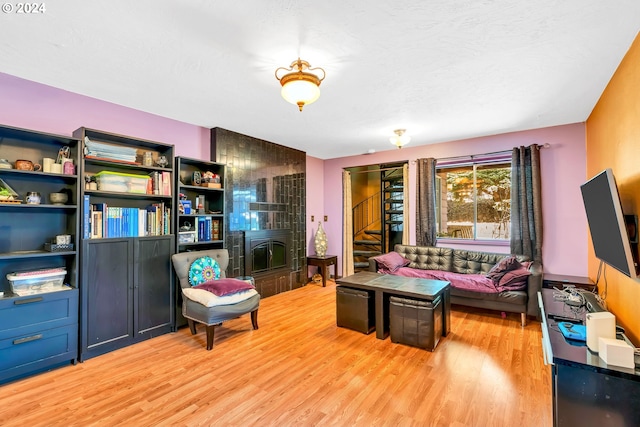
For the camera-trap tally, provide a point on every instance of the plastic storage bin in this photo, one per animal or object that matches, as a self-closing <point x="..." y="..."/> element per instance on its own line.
<point x="122" y="182"/>
<point x="355" y="310"/>
<point x="415" y="322"/>
<point x="39" y="281"/>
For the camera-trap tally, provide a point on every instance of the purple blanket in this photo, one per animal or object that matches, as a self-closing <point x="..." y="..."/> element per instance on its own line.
<point x="468" y="282"/>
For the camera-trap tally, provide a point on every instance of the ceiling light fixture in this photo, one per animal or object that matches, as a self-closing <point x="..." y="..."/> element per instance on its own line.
<point x="400" y="139"/>
<point x="300" y="86"/>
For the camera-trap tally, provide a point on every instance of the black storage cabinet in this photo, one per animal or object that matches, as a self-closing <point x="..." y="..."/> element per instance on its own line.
<point x="415" y="322"/>
<point x="354" y="309"/>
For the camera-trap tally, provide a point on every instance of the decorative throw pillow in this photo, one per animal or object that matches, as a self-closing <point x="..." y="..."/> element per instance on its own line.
<point x="391" y="261"/>
<point x="203" y="270"/>
<point x="208" y="299"/>
<point x="514" y="276"/>
<point x="222" y="287"/>
<point x="501" y="268"/>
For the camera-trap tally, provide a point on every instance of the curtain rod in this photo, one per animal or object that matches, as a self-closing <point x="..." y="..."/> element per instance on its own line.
<point x="546" y="145"/>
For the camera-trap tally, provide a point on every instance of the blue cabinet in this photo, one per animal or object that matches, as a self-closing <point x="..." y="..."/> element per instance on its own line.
<point x="38" y="332"/>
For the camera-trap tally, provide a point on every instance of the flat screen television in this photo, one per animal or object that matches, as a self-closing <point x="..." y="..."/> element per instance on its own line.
<point x="607" y="223"/>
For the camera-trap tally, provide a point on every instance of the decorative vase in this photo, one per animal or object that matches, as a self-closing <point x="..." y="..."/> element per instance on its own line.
<point x="321" y="241"/>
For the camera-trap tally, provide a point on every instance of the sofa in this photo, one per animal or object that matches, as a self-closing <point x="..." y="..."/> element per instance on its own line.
<point x="478" y="279"/>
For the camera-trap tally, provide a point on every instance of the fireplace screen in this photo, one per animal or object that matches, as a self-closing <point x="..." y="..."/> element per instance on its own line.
<point x="266" y="250"/>
<point x="268" y="255"/>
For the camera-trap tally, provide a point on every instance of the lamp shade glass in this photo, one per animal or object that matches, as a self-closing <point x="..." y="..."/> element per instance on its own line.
<point x="400" y="140"/>
<point x="300" y="92"/>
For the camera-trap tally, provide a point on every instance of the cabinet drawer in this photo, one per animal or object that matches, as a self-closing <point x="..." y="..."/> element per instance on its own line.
<point x="27" y="353"/>
<point x="23" y="315"/>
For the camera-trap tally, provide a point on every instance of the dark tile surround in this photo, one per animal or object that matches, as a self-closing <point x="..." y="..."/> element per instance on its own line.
<point x="265" y="189"/>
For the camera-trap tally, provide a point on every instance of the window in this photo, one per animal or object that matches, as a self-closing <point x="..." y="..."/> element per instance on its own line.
<point x="473" y="198"/>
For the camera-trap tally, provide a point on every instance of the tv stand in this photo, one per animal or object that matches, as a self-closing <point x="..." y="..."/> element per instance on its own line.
<point x="585" y="390"/>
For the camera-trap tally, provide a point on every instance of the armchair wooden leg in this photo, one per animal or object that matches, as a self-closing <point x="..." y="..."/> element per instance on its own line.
<point x="523" y="319"/>
<point x="210" y="333"/>
<point x="254" y="319"/>
<point x="192" y="326"/>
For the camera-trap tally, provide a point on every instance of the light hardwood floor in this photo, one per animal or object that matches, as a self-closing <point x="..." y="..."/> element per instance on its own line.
<point x="299" y="369"/>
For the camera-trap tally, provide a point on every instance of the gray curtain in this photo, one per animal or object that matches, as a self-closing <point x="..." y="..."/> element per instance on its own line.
<point x="426" y="202"/>
<point x="526" y="202"/>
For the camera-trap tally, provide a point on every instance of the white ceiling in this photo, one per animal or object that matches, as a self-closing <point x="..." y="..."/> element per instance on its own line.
<point x="445" y="70"/>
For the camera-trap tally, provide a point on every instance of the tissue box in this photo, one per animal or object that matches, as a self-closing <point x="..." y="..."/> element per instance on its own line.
<point x="616" y="352"/>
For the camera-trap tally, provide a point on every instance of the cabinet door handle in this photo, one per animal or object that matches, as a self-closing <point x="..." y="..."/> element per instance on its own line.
<point x="27" y="339"/>
<point x="28" y="301"/>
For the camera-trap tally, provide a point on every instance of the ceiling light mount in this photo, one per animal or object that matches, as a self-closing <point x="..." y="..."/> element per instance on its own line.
<point x="400" y="139"/>
<point x="301" y="83"/>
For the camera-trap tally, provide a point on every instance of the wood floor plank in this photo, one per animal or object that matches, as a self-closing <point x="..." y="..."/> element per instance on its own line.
<point x="299" y="369"/>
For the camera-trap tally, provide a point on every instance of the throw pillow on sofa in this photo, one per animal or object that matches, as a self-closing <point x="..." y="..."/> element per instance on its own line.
<point x="501" y="268"/>
<point x="514" y="279"/>
<point x="390" y="262"/>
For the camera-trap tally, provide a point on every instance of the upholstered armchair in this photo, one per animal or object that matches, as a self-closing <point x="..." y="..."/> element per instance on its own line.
<point x="211" y="310"/>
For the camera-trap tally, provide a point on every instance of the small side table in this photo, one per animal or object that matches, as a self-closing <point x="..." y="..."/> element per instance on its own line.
<point x="322" y="263"/>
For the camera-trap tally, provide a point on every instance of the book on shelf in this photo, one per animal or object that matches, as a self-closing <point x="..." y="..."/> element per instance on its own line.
<point x="100" y="224"/>
<point x="156" y="184"/>
<point x="207" y="228"/>
<point x="166" y="183"/>
<point x="86" y="210"/>
<point x="142" y="222"/>
<point x="96" y="225"/>
<point x="158" y="217"/>
<point x="102" y="221"/>
<point x="215" y="229"/>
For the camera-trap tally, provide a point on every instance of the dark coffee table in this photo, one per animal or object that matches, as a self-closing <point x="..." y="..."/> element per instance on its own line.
<point x="386" y="285"/>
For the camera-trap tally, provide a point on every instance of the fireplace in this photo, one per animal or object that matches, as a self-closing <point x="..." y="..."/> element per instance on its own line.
<point x="267" y="251"/>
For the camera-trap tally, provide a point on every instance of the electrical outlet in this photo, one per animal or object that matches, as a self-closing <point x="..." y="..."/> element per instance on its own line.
<point x="326" y="218"/>
<point x="313" y="218"/>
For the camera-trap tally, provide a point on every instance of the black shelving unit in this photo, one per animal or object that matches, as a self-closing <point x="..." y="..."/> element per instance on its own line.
<point x="38" y="329"/>
<point x="127" y="287"/>
<point x="190" y="227"/>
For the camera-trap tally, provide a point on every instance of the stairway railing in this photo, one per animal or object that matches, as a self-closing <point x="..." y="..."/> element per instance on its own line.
<point x="366" y="213"/>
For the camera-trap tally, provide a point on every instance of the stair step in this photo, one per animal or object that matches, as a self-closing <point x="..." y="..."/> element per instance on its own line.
<point x="393" y="200"/>
<point x="377" y="232"/>
<point x="366" y="253"/>
<point x="394" y="222"/>
<point x="394" y="211"/>
<point x="367" y="242"/>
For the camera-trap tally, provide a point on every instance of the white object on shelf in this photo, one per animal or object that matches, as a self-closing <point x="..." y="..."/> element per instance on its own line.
<point x="601" y="324"/>
<point x="616" y="352"/>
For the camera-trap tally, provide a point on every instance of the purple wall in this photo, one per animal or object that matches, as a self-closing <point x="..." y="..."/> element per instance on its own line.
<point x="315" y="203"/>
<point x="38" y="107"/>
<point x="563" y="170"/>
<point x="34" y="106"/>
